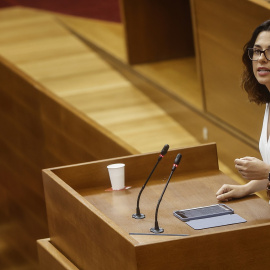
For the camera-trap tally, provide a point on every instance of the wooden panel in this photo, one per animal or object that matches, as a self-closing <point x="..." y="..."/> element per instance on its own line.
<point x="263" y="3"/>
<point x="157" y="30"/>
<point x="39" y="131"/>
<point x="68" y="242"/>
<point x="196" y="158"/>
<point x="210" y="251"/>
<point x="84" y="80"/>
<point x="54" y="114"/>
<point x="81" y="235"/>
<point x="178" y="77"/>
<point x="107" y="35"/>
<point x="222" y="28"/>
<point x="51" y="258"/>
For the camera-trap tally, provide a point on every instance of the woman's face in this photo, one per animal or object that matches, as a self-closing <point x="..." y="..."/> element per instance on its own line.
<point x="261" y="68"/>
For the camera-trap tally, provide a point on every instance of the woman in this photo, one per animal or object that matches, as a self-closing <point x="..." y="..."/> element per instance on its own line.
<point x="256" y="82"/>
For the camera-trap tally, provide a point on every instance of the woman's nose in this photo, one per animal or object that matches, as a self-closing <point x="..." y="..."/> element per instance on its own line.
<point x="262" y="57"/>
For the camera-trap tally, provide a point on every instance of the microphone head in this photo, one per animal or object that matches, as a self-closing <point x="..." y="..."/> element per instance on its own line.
<point x="164" y="150"/>
<point x="177" y="159"/>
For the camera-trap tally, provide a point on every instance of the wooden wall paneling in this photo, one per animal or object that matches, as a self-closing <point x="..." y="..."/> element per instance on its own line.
<point x="178" y="76"/>
<point x="23" y="191"/>
<point x="37" y="127"/>
<point x="222" y="28"/>
<point x="52" y="258"/>
<point x="22" y="226"/>
<point x="11" y="159"/>
<point x="9" y="255"/>
<point x="69" y="123"/>
<point x="21" y="162"/>
<point x="263" y="3"/>
<point x="157" y="30"/>
<point x="107" y="35"/>
<point x="230" y="142"/>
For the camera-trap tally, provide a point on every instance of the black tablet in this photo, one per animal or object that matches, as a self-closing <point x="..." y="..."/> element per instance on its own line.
<point x="203" y="212"/>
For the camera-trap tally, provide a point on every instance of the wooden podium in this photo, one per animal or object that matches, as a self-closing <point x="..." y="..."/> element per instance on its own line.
<point x="90" y="225"/>
<point x="52" y="258"/>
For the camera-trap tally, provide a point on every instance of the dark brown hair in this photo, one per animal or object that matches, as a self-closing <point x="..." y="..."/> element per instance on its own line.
<point x="257" y="92"/>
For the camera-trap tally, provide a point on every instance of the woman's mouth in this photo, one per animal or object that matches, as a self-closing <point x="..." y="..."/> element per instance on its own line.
<point x="262" y="71"/>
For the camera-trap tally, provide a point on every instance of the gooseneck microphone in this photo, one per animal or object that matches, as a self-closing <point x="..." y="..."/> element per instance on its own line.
<point x="163" y="152"/>
<point x="157" y="229"/>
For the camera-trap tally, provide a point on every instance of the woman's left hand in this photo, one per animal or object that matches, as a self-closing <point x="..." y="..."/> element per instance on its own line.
<point x="252" y="168"/>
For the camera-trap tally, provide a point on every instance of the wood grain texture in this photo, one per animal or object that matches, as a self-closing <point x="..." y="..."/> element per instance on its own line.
<point x="157" y="30"/>
<point x="56" y="94"/>
<point x="51" y="258"/>
<point x="178" y="76"/>
<point x="222" y="28"/>
<point x="173" y="85"/>
<point x="39" y="130"/>
<point x="206" y="159"/>
<point x="107" y="35"/>
<point x="263" y="3"/>
<point x="91" y="216"/>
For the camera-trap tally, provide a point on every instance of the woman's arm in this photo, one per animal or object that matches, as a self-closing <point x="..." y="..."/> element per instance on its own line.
<point x="252" y="168"/>
<point x="228" y="192"/>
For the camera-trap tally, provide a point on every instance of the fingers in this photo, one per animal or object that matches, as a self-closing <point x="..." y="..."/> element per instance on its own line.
<point x="240" y="161"/>
<point x="222" y="190"/>
<point x="225" y="196"/>
<point x="241" y="165"/>
<point x="224" y="193"/>
<point x="238" y="167"/>
<point x="251" y="168"/>
<point x="244" y="160"/>
<point x="237" y="161"/>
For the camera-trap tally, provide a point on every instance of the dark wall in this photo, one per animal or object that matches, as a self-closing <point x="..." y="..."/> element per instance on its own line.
<point x="107" y="10"/>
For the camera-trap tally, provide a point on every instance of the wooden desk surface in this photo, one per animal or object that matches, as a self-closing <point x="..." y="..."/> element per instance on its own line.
<point x="183" y="192"/>
<point x="86" y="222"/>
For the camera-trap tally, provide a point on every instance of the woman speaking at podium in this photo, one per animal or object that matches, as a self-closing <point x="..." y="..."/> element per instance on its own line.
<point x="256" y="82"/>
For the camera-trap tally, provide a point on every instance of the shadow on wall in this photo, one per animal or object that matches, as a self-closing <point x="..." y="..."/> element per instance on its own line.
<point x="107" y="10"/>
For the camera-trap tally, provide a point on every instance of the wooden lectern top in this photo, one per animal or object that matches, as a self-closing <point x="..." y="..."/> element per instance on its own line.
<point x="91" y="226"/>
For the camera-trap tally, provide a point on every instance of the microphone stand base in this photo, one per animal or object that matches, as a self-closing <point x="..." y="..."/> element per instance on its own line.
<point x="157" y="230"/>
<point x="138" y="216"/>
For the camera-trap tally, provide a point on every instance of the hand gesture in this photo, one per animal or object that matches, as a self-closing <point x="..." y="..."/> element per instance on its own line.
<point x="252" y="168"/>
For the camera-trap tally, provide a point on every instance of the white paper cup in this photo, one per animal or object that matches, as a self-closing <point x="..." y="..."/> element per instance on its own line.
<point x="117" y="175"/>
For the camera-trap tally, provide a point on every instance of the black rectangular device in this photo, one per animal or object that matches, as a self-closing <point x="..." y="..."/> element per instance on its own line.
<point x="203" y="212"/>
